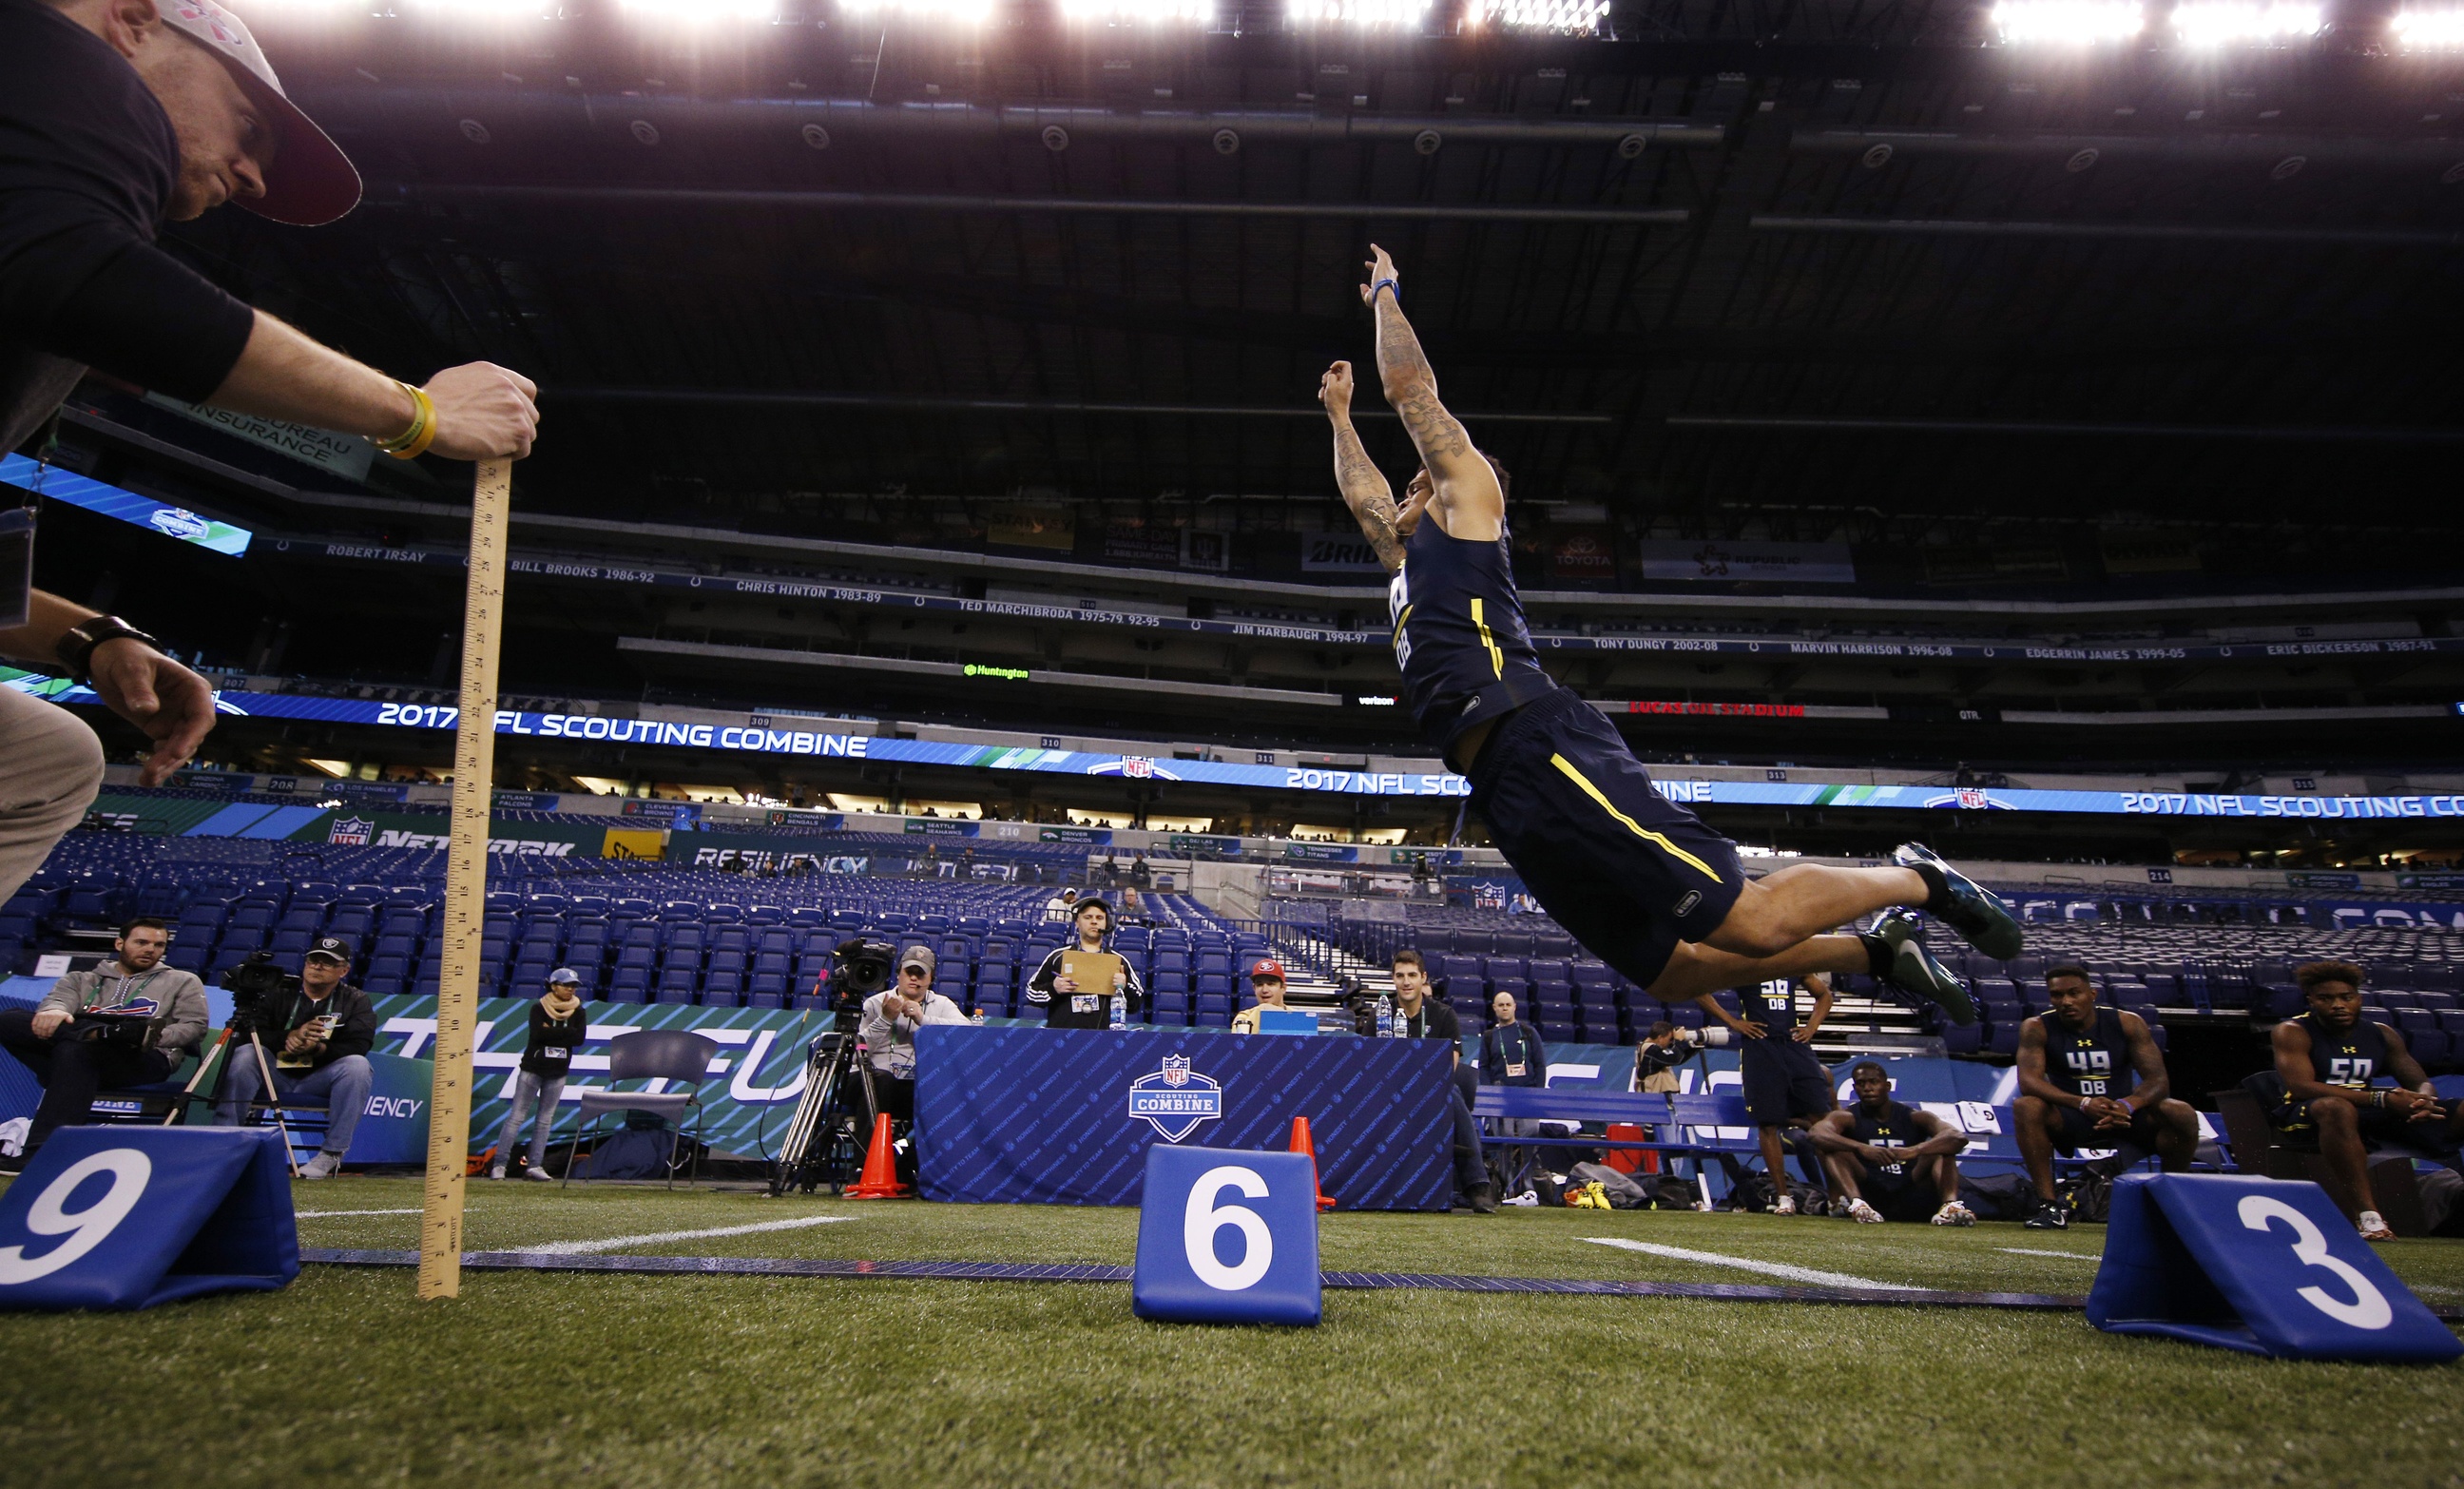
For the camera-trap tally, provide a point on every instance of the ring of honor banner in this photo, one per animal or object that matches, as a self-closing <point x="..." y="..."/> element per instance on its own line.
<point x="1065" y="1116"/>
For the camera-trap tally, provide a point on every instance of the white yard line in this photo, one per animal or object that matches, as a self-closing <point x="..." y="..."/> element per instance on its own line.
<point x="2029" y="1250"/>
<point x="336" y="1214"/>
<point x="617" y="1242"/>
<point x="1778" y="1269"/>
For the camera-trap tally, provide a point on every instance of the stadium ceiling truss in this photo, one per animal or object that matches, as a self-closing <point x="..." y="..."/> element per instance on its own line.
<point x="1802" y="271"/>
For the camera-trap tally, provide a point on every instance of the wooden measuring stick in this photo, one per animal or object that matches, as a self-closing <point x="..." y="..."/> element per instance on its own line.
<point x="466" y="887"/>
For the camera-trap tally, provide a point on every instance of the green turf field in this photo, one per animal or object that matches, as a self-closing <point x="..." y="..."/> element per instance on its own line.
<point x="529" y="1377"/>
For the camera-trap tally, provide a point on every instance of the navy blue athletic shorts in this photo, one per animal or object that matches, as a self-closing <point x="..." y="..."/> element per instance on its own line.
<point x="1899" y="1196"/>
<point x="1784" y="1080"/>
<point x="1626" y="873"/>
<point x="2079" y="1130"/>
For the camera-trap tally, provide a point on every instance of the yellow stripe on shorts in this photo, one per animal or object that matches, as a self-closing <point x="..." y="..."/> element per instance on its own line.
<point x="1496" y="657"/>
<point x="1566" y="768"/>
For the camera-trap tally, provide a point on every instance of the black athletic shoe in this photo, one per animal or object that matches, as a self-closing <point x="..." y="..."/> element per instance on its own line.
<point x="2052" y="1215"/>
<point x="1483" y="1200"/>
<point x="12" y="1167"/>
<point x="1912" y="968"/>
<point x="1977" y="913"/>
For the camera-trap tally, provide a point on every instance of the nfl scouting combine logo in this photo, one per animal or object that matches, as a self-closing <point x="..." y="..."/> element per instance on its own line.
<point x="1175" y="1099"/>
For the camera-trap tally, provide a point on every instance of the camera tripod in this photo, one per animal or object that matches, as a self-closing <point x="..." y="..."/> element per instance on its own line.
<point x="264" y="1074"/>
<point x="819" y="1146"/>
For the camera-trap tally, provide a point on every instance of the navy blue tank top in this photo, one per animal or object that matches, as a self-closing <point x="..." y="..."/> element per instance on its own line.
<point x="1895" y="1127"/>
<point x="2352" y="1057"/>
<point x="1771" y="1005"/>
<point x="2090" y="1061"/>
<point x="1460" y="637"/>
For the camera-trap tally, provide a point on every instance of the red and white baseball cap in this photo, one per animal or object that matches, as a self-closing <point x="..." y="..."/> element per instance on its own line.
<point x="1268" y="967"/>
<point x="311" y="182"/>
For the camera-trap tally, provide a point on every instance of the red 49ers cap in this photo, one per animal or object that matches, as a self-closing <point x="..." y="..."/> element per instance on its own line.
<point x="1268" y="967"/>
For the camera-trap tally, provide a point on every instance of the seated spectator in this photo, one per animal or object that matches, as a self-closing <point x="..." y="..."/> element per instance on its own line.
<point x="1885" y="1162"/>
<point x="1068" y="1005"/>
<point x="887" y="1029"/>
<point x="70" y="1064"/>
<point x="1062" y="907"/>
<point x="1266" y="981"/>
<point x="1511" y="1055"/>
<point x="557" y="1027"/>
<point x="1417" y="1016"/>
<point x="317" y="1046"/>
<point x="2328" y="1061"/>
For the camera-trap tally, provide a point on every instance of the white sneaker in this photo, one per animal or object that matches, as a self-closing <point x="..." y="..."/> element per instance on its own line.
<point x="1863" y="1213"/>
<point x="537" y="1174"/>
<point x="1528" y="1199"/>
<point x="1787" y="1205"/>
<point x="1954" y="1213"/>
<point x="497" y="1173"/>
<point x="2374" y="1227"/>
<point x="321" y="1166"/>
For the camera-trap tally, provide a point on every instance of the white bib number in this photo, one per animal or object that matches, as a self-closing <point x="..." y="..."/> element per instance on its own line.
<point x="2368" y="1309"/>
<point x="1203" y="1217"/>
<point x="87" y="1227"/>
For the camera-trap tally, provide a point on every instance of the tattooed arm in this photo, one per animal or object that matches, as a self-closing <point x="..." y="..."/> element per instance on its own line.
<point x="1364" y="489"/>
<point x="1467" y="497"/>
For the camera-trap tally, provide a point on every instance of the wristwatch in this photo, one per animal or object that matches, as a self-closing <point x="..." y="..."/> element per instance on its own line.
<point x="78" y="642"/>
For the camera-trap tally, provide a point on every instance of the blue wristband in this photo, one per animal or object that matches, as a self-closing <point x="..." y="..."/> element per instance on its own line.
<point x="1386" y="284"/>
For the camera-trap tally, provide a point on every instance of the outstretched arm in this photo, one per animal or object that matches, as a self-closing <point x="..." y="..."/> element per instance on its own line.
<point x="1466" y="492"/>
<point x="1364" y="489"/>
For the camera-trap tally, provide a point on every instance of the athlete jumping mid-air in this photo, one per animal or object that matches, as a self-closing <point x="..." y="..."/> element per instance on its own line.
<point x="1640" y="881"/>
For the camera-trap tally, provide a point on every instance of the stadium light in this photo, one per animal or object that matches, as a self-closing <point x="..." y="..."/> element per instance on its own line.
<point x="1358" y="13"/>
<point x="487" y="10"/>
<point x="1137" y="12"/>
<point x="2224" y="23"/>
<point x="948" y="13"/>
<point x="700" y="11"/>
<point x="1566" y="17"/>
<point x="2440" y="30"/>
<point x="2075" y="23"/>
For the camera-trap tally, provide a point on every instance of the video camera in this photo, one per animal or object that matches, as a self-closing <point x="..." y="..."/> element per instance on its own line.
<point x="859" y="968"/>
<point x="258" y="989"/>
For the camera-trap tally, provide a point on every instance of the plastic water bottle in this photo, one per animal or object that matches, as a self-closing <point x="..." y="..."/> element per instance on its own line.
<point x="979" y="1019"/>
<point x="1389" y="1026"/>
<point x="1120" y="1011"/>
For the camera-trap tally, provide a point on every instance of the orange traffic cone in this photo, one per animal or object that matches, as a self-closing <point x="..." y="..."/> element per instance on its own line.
<point x="880" y="1177"/>
<point x="1301" y="1144"/>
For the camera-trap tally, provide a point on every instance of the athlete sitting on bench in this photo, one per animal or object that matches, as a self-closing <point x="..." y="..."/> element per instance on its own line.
<point x="2092" y="1077"/>
<point x="2328" y="1059"/>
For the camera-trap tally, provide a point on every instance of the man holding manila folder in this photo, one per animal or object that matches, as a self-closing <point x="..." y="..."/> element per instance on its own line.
<point x="1083" y="986"/>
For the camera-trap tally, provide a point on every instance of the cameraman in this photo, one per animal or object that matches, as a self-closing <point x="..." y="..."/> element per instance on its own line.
<point x="1659" y="1054"/>
<point x="74" y="1057"/>
<point x="317" y="1035"/>
<point x="890" y="1018"/>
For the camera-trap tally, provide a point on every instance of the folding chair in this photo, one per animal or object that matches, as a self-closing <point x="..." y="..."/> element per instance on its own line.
<point x="650" y="1054"/>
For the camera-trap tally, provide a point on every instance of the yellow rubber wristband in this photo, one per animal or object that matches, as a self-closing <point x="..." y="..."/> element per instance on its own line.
<point x="422" y="433"/>
<point x="410" y="432"/>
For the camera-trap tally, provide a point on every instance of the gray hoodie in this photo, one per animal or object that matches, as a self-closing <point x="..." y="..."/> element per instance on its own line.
<point x="178" y="1025"/>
